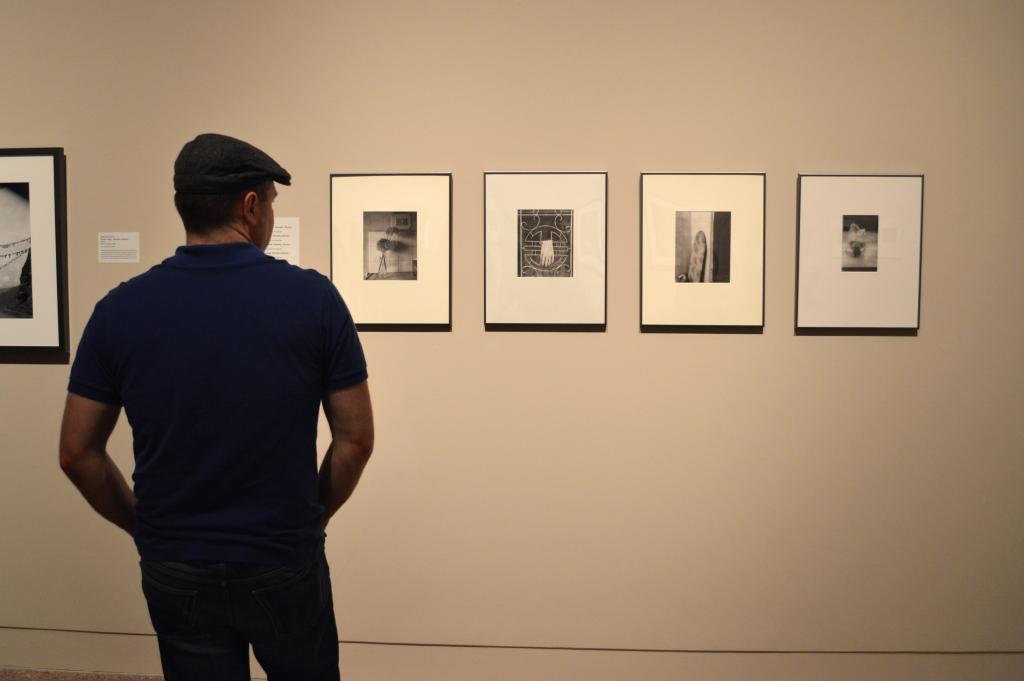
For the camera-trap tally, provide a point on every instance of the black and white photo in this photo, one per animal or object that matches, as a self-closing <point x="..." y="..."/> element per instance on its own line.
<point x="15" y="251"/>
<point x="33" y="256"/>
<point x="545" y="243"/>
<point x="703" y="246"/>
<point x="860" y="243"/>
<point x="391" y="248"/>
<point x="389" y="245"/>
<point x="545" y="255"/>
<point x="702" y="252"/>
<point x="858" y="266"/>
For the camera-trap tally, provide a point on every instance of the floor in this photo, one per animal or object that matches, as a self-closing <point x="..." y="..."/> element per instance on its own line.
<point x="26" y="675"/>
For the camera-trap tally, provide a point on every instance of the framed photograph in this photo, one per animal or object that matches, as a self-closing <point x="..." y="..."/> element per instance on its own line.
<point x="859" y="253"/>
<point x="702" y="251"/>
<point x="33" y="256"/>
<point x="391" y="255"/>
<point x="545" y="254"/>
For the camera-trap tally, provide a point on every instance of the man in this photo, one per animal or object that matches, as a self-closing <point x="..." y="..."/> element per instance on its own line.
<point x="221" y="357"/>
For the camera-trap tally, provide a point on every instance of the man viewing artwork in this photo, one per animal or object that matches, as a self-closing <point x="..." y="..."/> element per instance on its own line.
<point x="221" y="357"/>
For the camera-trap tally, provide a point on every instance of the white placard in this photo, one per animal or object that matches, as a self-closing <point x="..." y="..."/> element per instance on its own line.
<point x="284" y="242"/>
<point x="118" y="247"/>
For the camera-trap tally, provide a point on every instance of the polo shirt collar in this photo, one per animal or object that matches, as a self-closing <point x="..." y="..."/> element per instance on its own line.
<point x="233" y="254"/>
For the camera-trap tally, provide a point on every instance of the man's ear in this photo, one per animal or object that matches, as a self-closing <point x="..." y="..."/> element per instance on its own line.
<point x="249" y="201"/>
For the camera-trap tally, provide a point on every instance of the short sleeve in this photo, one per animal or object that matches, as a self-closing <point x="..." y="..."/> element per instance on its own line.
<point x="344" y="362"/>
<point x="92" y="374"/>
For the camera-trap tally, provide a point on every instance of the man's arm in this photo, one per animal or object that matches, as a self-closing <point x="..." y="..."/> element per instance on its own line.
<point x="350" y="417"/>
<point x="84" y="433"/>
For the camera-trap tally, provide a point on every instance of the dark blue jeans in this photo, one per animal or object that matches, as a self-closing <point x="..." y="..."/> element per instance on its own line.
<point x="207" y="614"/>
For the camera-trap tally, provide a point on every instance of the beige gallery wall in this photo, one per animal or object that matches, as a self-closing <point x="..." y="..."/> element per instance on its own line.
<point x="554" y="492"/>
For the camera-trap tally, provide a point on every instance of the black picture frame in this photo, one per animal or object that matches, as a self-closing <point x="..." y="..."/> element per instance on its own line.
<point x="907" y="199"/>
<point x="751" y="326"/>
<point x="399" y="324"/>
<point x="34" y="313"/>
<point x="530" y="324"/>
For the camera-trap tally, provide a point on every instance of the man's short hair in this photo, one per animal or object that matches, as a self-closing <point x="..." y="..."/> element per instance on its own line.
<point x="204" y="213"/>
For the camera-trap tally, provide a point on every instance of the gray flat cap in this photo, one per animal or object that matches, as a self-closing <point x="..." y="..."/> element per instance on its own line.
<point x="218" y="164"/>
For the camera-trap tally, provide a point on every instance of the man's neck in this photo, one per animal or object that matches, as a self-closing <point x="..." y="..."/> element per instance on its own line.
<point x="228" y="234"/>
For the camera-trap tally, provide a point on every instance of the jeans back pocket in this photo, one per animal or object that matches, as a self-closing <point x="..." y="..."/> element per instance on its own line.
<point x="171" y="609"/>
<point x="296" y="603"/>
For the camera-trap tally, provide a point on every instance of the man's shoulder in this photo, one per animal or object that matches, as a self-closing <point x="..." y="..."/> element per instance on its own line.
<point x="286" y="269"/>
<point x="160" y="275"/>
<point x="309" y="281"/>
<point x="138" y="285"/>
<point x="164" y="289"/>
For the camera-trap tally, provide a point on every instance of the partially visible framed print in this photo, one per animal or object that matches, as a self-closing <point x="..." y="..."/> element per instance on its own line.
<point x="545" y="250"/>
<point x="33" y="256"/>
<point x="859" y="253"/>
<point x="391" y="249"/>
<point x="702" y="251"/>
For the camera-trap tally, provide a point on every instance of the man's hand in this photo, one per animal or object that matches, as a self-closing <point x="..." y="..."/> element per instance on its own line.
<point x="350" y="417"/>
<point x="84" y="433"/>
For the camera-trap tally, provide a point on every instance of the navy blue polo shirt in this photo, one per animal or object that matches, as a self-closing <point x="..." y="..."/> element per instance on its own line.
<point x="221" y="356"/>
